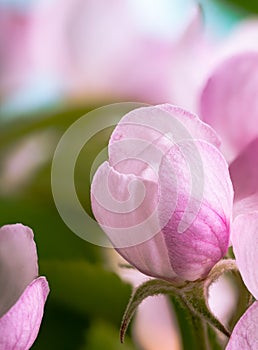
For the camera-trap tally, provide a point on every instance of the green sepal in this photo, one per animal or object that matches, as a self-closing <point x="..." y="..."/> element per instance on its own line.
<point x="196" y="301"/>
<point x="147" y="289"/>
<point x="192" y="296"/>
<point x="195" y="295"/>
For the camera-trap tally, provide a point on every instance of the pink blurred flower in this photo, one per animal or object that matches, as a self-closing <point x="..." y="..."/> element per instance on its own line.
<point x="244" y="236"/>
<point x="22" y="292"/>
<point x="229" y="102"/>
<point x="179" y="226"/>
<point x="15" y="49"/>
<point x="98" y="50"/>
<point x="245" y="244"/>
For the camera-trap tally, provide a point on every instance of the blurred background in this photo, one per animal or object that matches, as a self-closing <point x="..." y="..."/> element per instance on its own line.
<point x="60" y="59"/>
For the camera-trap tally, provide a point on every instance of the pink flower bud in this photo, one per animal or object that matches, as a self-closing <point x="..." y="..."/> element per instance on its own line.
<point x="165" y="197"/>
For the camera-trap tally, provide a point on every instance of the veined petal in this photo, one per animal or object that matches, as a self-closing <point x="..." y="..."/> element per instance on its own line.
<point x="126" y="208"/>
<point x="196" y="194"/>
<point x="245" y="333"/>
<point x="244" y="172"/>
<point x="18" y="263"/>
<point x="20" y="325"/>
<point x="144" y="135"/>
<point x="145" y="207"/>
<point x="229" y="102"/>
<point x="245" y="246"/>
<point x="151" y="258"/>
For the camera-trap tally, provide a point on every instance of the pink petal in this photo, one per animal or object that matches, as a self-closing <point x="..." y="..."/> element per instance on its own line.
<point x="229" y="102"/>
<point x="245" y="246"/>
<point x="126" y="208"/>
<point x="242" y="39"/>
<point x="140" y="196"/>
<point x="245" y="205"/>
<point x="190" y="63"/>
<point x="244" y="172"/>
<point x="223" y="307"/>
<point x="16" y="65"/>
<point x="144" y="135"/>
<point x="155" y="326"/>
<point x="245" y="333"/>
<point x="96" y="63"/>
<point x="19" y="327"/>
<point x="18" y="261"/>
<point x="196" y="194"/>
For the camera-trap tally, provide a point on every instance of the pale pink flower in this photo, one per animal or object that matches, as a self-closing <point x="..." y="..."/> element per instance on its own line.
<point x="15" y="52"/>
<point x="158" y="148"/>
<point x="245" y="244"/>
<point x="229" y="102"/>
<point x="190" y="64"/>
<point x="223" y="307"/>
<point x="244" y="236"/>
<point x="22" y="292"/>
<point x="98" y="50"/>
<point x="203" y="66"/>
<point x="155" y="325"/>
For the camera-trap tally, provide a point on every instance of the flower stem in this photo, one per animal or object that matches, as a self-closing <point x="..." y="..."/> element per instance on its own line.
<point x="193" y="329"/>
<point x="201" y="332"/>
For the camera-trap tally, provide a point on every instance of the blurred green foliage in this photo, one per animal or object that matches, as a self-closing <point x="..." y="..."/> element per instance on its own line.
<point x="103" y="333"/>
<point x="87" y="299"/>
<point x="249" y="6"/>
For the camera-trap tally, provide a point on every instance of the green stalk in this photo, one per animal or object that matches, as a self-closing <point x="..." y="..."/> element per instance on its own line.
<point x="201" y="333"/>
